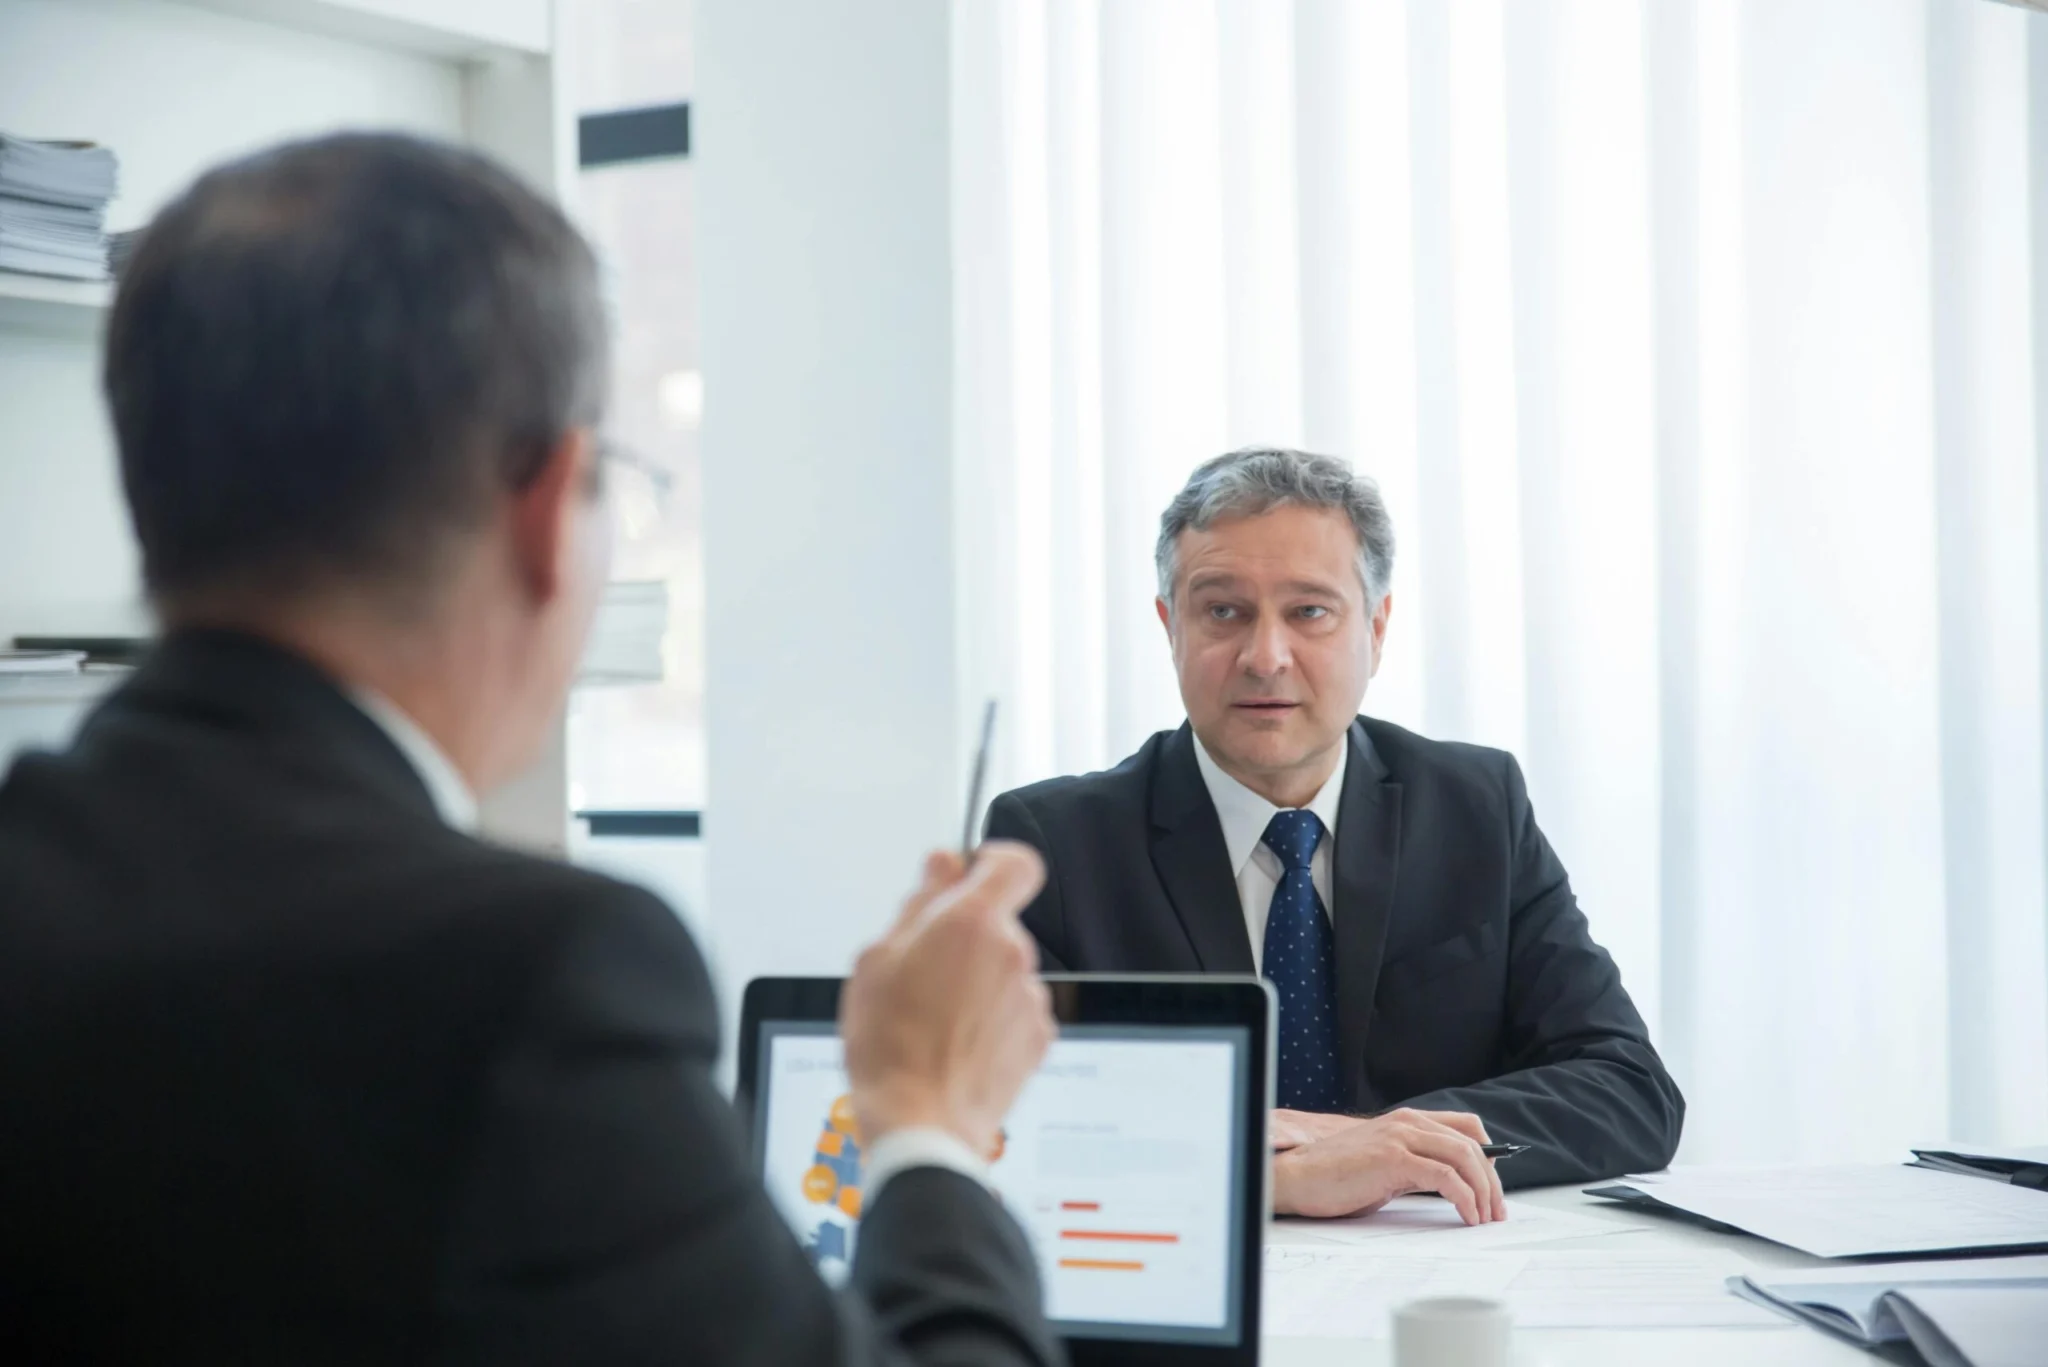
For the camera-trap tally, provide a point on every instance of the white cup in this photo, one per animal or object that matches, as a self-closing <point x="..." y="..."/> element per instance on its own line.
<point x="1451" y="1331"/>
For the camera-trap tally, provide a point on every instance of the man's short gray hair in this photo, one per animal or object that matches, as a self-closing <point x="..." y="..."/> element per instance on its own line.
<point x="1258" y="479"/>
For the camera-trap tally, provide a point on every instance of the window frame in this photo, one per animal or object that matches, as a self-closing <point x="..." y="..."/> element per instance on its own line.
<point x="624" y="137"/>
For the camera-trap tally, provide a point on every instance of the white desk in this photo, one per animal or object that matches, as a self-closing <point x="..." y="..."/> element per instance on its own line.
<point x="1792" y="1346"/>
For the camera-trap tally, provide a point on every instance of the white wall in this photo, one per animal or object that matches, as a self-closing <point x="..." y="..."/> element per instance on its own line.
<point x="822" y="155"/>
<point x="173" y="89"/>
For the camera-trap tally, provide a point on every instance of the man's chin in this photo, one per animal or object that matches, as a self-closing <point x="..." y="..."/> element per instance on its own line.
<point x="1263" y="751"/>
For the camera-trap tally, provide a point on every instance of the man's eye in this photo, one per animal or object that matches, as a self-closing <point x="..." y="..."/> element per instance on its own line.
<point x="1312" y="612"/>
<point x="1222" y="612"/>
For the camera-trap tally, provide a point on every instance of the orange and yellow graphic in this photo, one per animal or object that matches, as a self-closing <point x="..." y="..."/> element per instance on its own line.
<point x="833" y="1179"/>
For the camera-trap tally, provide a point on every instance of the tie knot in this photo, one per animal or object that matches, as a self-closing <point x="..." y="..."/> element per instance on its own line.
<point x="1293" y="836"/>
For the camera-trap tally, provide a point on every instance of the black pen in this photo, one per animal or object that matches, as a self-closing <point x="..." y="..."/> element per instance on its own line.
<point x="967" y="834"/>
<point x="1503" y="1150"/>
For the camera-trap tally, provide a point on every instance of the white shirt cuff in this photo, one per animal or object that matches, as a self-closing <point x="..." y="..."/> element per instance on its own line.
<point x="917" y="1147"/>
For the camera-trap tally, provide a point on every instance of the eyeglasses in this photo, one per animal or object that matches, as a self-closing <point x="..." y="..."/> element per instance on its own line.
<point x="611" y="451"/>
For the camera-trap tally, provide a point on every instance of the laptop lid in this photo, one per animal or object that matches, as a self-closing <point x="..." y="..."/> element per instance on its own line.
<point x="1135" y="1159"/>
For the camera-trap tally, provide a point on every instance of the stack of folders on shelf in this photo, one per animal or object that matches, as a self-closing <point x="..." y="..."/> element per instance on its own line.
<point x="17" y="663"/>
<point x="1966" y="1313"/>
<point x="53" y="207"/>
<point x="95" y="653"/>
<point x="39" y="674"/>
<point x="46" y="678"/>
<point x="44" y="694"/>
<point x="625" y="640"/>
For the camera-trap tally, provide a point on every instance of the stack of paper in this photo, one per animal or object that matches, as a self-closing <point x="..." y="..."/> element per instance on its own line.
<point x="1979" y="1312"/>
<point x="43" y="695"/>
<point x="1427" y="1225"/>
<point x="41" y="661"/>
<point x="53" y="207"/>
<point x="1851" y="1212"/>
<point x="120" y="247"/>
<point x="625" y="640"/>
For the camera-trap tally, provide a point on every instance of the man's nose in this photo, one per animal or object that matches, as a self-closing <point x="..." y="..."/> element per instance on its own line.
<point x="1266" y="651"/>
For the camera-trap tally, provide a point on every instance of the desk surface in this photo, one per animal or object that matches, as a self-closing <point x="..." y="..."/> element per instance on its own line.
<point x="1792" y="1346"/>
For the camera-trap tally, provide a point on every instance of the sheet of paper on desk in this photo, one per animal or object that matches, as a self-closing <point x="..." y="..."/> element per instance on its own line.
<point x="1857" y="1211"/>
<point x="1350" y="1292"/>
<point x="1569" y="1290"/>
<point x="1432" y="1225"/>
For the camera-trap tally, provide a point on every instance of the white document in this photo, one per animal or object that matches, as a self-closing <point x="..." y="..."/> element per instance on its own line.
<point x="1429" y="1224"/>
<point x="1848" y="1212"/>
<point x="1348" y="1293"/>
<point x="1976" y="1326"/>
<point x="1575" y="1290"/>
<point x="1351" y="1292"/>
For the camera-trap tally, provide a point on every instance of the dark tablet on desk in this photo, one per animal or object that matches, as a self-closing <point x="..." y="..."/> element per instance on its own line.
<point x="1135" y="1159"/>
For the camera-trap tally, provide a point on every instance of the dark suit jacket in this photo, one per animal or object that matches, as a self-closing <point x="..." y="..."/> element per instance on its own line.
<point x="291" y="1072"/>
<point x="1466" y="979"/>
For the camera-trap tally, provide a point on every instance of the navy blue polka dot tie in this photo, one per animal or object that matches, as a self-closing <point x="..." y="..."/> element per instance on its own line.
<point x="1300" y="962"/>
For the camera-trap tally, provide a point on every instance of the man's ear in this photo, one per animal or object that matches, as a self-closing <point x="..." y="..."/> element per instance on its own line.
<point x="544" y="514"/>
<point x="1165" y="616"/>
<point x="1379" y="632"/>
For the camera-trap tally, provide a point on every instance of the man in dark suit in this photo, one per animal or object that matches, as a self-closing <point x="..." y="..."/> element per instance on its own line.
<point x="295" y="1069"/>
<point x="1439" y="986"/>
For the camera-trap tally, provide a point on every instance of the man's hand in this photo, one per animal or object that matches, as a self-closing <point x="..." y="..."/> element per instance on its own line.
<point x="945" y="1017"/>
<point x="1359" y="1167"/>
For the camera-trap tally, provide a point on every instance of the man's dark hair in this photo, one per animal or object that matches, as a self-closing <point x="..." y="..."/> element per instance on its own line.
<point x="326" y="359"/>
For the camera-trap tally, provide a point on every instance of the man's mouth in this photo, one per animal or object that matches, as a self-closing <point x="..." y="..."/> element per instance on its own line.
<point x="1266" y="705"/>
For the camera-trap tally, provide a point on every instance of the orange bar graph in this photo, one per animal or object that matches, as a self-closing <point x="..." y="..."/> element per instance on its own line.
<point x="1080" y="1205"/>
<point x="1102" y="1265"/>
<point x="1119" y="1236"/>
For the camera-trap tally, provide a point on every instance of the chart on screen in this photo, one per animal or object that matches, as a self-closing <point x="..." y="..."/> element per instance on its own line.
<point x="1118" y="1160"/>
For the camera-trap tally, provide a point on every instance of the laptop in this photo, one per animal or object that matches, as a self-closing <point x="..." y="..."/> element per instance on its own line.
<point x="1135" y="1159"/>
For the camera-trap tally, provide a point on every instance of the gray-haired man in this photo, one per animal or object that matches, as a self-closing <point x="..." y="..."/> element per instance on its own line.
<point x="1438" y="985"/>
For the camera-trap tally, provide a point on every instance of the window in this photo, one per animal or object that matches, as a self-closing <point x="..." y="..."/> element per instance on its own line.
<point x="638" y="748"/>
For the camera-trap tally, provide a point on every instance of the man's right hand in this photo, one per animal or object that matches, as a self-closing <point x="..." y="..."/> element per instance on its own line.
<point x="1367" y="1163"/>
<point x="945" y="1017"/>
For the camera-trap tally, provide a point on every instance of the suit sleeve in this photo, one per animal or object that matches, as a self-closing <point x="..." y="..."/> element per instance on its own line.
<point x="609" y="1210"/>
<point x="1045" y="918"/>
<point x="1581" y="1083"/>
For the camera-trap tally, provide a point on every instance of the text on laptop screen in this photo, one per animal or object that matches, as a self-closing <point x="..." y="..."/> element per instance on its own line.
<point x="1120" y="1160"/>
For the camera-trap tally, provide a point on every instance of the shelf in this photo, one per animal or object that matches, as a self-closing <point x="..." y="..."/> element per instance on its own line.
<point x="64" y="308"/>
<point x="59" y="690"/>
<point x="460" y="30"/>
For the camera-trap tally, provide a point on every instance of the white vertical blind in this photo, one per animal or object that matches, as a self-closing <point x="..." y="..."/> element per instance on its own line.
<point x="1696" y="348"/>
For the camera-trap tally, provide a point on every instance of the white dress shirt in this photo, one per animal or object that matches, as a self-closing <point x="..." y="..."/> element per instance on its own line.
<point x="906" y="1148"/>
<point x="1244" y="816"/>
<point x="444" y="783"/>
<point x="916" y="1147"/>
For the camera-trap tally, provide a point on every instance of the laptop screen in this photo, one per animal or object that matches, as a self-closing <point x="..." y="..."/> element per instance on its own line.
<point x="1122" y="1161"/>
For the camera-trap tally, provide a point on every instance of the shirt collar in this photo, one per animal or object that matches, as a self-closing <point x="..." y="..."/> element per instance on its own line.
<point x="1245" y="815"/>
<point x="451" y="795"/>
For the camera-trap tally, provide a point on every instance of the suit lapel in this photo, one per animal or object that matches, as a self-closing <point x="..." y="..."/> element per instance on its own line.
<point x="1368" y="859"/>
<point x="1193" y="866"/>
